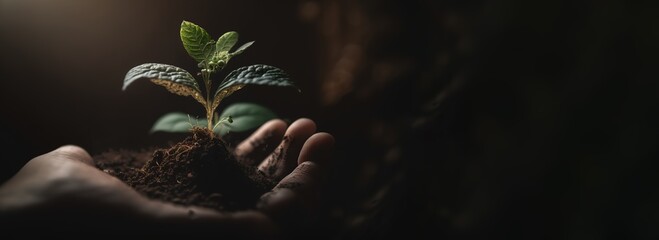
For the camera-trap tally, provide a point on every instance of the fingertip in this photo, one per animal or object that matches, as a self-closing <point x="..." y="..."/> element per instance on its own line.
<point x="325" y="139"/>
<point x="276" y="125"/>
<point x="304" y="124"/>
<point x="318" y="148"/>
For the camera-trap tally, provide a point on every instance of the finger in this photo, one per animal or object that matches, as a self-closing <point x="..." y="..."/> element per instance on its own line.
<point x="284" y="157"/>
<point x="293" y="203"/>
<point x="256" y="147"/>
<point x="296" y="193"/>
<point x="314" y="158"/>
<point x="72" y="152"/>
<point x="318" y="148"/>
<point x="303" y="179"/>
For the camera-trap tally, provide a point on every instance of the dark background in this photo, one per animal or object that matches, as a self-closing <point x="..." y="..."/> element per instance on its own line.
<point x="453" y="119"/>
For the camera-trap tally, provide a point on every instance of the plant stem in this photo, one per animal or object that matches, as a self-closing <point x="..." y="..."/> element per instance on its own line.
<point x="209" y="102"/>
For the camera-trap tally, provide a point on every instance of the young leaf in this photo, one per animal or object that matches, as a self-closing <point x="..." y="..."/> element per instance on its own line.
<point x="196" y="41"/>
<point x="175" y="79"/>
<point x="226" y="41"/>
<point x="177" y="122"/>
<point x="258" y="74"/>
<point x="241" y="49"/>
<point x="255" y="74"/>
<point x="246" y="116"/>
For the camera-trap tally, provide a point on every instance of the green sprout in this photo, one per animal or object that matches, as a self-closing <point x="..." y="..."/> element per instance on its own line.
<point x="212" y="56"/>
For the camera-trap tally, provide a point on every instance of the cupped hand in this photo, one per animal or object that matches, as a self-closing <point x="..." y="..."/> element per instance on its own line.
<point x="62" y="191"/>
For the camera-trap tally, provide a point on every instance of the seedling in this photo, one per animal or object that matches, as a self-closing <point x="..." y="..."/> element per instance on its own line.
<point x="212" y="56"/>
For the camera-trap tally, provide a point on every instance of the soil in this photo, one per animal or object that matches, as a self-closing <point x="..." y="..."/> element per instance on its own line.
<point x="199" y="170"/>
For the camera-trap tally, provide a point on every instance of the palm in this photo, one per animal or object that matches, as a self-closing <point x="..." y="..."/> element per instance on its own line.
<point x="68" y="180"/>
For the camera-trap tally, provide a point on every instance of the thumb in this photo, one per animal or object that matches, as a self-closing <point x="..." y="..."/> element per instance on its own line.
<point x="72" y="152"/>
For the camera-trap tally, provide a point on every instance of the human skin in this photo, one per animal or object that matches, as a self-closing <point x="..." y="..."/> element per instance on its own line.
<point x="63" y="192"/>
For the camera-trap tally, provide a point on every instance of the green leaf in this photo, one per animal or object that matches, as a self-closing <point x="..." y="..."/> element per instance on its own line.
<point x="177" y="122"/>
<point x="160" y="71"/>
<point x="226" y="41"/>
<point x="175" y="79"/>
<point x="242" y="48"/>
<point x="258" y="74"/>
<point x="245" y="116"/>
<point x="196" y="41"/>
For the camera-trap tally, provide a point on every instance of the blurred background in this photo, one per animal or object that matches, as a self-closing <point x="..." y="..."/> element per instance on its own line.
<point x="453" y="119"/>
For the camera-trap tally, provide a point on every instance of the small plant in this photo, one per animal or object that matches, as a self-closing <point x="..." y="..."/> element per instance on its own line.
<point x="212" y="56"/>
<point x="202" y="169"/>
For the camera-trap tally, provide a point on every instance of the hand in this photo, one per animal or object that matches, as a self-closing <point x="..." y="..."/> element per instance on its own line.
<point x="63" y="191"/>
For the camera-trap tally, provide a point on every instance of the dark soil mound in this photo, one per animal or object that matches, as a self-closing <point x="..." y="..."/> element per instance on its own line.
<point x="199" y="170"/>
